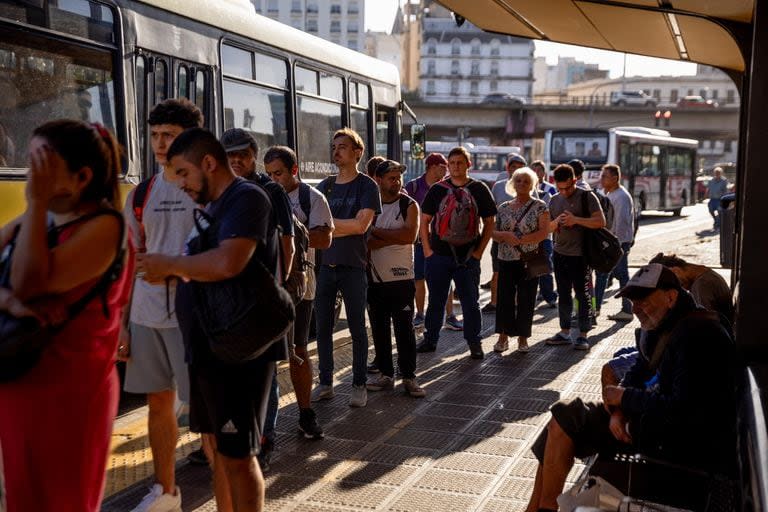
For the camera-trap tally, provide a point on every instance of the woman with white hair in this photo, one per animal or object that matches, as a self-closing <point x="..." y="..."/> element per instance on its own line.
<point x="521" y="225"/>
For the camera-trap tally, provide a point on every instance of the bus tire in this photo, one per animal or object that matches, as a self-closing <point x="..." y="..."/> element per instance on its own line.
<point x="676" y="212"/>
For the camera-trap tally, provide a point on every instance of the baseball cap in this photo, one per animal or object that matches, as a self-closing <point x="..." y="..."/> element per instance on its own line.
<point x="236" y="139"/>
<point x="435" y="159"/>
<point x="653" y="276"/>
<point x="388" y="166"/>
<point x="516" y="157"/>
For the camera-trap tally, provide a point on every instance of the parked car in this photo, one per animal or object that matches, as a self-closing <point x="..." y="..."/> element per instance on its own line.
<point x="636" y="98"/>
<point x="505" y="98"/>
<point x="696" y="102"/>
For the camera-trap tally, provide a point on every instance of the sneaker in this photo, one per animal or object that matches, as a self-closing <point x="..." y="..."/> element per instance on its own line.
<point x="418" y="320"/>
<point x="581" y="343"/>
<point x="425" y="346"/>
<point x="501" y="346"/>
<point x="522" y="346"/>
<point x="486" y="285"/>
<point x="454" y="324"/>
<point x="412" y="388"/>
<point x="558" y="339"/>
<point x="476" y="351"/>
<point x="621" y="316"/>
<point x="198" y="458"/>
<point x="489" y="308"/>
<point x="381" y="383"/>
<point x="265" y="454"/>
<point x="359" y="396"/>
<point x="552" y="304"/>
<point x="156" y="501"/>
<point x="372" y="368"/>
<point x="322" y="392"/>
<point x="308" y="425"/>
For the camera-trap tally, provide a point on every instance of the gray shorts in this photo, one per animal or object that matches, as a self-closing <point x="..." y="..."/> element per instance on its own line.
<point x="157" y="362"/>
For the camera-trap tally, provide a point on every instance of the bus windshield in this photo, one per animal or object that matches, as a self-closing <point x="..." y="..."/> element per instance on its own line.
<point x="592" y="149"/>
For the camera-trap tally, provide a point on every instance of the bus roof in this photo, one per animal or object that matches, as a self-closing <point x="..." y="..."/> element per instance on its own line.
<point x="239" y="17"/>
<point x="656" y="138"/>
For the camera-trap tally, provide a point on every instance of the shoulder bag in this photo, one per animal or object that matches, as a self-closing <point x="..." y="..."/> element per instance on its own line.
<point x="602" y="250"/>
<point x="535" y="262"/>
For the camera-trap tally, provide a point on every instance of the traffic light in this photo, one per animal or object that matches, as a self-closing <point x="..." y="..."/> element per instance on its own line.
<point x="667" y="118"/>
<point x="657" y="118"/>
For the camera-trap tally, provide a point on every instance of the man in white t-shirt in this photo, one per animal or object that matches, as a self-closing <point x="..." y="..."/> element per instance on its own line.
<point x="159" y="214"/>
<point x="311" y="209"/>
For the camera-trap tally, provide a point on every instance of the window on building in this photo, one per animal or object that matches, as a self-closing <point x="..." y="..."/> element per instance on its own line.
<point x="494" y="85"/>
<point x="296" y="6"/>
<point x="273" y="6"/>
<point x="335" y="26"/>
<point x="475" y="67"/>
<point x="495" y="45"/>
<point x="312" y="8"/>
<point x="312" y="26"/>
<point x="430" y="67"/>
<point x="455" y="67"/>
<point x="495" y="68"/>
<point x="728" y="146"/>
<point x="455" y="47"/>
<point x="430" y="87"/>
<point x="455" y="87"/>
<point x="432" y="47"/>
<point x="353" y="8"/>
<point x="703" y="93"/>
<point x="352" y="44"/>
<point x="730" y="96"/>
<point x="352" y="27"/>
<point x="715" y="94"/>
<point x="647" y="91"/>
<point x="690" y="92"/>
<point x="657" y="94"/>
<point x="474" y="88"/>
<point x="673" y="95"/>
<point x="475" y="46"/>
<point x="335" y="9"/>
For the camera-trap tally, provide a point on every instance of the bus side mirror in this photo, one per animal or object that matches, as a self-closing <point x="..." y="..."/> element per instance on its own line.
<point x="418" y="141"/>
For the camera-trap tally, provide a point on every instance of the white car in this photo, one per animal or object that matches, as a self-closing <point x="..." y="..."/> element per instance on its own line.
<point x="632" y="98"/>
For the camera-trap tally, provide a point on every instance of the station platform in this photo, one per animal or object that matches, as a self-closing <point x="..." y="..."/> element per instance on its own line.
<point x="465" y="447"/>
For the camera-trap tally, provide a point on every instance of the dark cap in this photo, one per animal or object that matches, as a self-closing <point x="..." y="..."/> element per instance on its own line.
<point x="578" y="166"/>
<point x="237" y="139"/>
<point x="389" y="166"/>
<point x="653" y="276"/>
<point x="435" y="159"/>
<point x="516" y="157"/>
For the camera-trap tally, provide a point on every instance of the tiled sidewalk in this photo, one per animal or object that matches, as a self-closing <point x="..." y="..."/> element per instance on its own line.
<point x="464" y="447"/>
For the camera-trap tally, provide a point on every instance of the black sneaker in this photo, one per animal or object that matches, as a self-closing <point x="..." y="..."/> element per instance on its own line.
<point x="198" y="458"/>
<point x="476" y="351"/>
<point x="265" y="454"/>
<point x="372" y="368"/>
<point x="425" y="346"/>
<point x="308" y="425"/>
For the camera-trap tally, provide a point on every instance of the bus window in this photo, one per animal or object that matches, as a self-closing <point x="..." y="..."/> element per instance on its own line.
<point x="182" y="82"/>
<point x="360" y="112"/>
<point x="43" y="81"/>
<point x="318" y="117"/>
<point x="141" y="108"/>
<point x="200" y="92"/>
<point x="649" y="161"/>
<point x="385" y="118"/>
<point x="160" y="77"/>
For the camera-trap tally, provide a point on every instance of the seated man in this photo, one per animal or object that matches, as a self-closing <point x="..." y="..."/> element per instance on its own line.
<point x="675" y="404"/>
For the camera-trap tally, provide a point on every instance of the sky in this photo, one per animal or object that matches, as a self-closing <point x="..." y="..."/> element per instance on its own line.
<point x="379" y="15"/>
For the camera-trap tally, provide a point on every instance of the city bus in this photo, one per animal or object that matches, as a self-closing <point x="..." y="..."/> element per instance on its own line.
<point x="110" y="61"/>
<point x="657" y="169"/>
<point x="488" y="162"/>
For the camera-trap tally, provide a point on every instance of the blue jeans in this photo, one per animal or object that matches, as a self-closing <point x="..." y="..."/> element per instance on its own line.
<point x="440" y="270"/>
<point x="272" y="405"/>
<point x="714" y="210"/>
<point x="620" y="272"/>
<point x="547" y="282"/>
<point x="353" y="284"/>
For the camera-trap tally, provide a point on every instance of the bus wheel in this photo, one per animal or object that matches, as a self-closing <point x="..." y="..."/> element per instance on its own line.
<point x="676" y="212"/>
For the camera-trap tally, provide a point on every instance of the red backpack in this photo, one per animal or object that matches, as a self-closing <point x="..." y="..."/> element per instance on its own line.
<point x="457" y="221"/>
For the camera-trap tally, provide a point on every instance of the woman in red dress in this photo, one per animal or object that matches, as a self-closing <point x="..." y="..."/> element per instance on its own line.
<point x="56" y="420"/>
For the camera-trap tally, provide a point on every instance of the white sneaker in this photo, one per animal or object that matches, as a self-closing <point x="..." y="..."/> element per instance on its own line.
<point x="358" y="397"/>
<point x="412" y="388"/>
<point x="501" y="346"/>
<point x="322" y="392"/>
<point x="156" y="501"/>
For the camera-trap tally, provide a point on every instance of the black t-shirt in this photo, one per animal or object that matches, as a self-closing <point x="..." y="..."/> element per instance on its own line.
<point x="486" y="207"/>
<point x="242" y="211"/>
<point x="281" y="205"/>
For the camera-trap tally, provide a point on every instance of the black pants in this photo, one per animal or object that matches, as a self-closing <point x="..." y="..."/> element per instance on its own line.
<point x="570" y="274"/>
<point x="392" y="304"/>
<point x="515" y="300"/>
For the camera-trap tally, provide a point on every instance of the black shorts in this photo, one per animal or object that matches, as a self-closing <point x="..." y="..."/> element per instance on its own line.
<point x="230" y="402"/>
<point x="300" y="335"/>
<point x="586" y="423"/>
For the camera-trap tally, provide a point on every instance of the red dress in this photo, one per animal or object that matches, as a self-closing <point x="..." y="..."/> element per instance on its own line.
<point x="56" y="421"/>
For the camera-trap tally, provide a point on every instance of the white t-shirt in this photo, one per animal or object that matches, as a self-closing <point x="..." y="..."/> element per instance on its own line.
<point x="319" y="215"/>
<point x="393" y="262"/>
<point x="168" y="221"/>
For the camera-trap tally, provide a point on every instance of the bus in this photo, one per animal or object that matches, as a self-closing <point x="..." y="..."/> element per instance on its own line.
<point x="658" y="170"/>
<point x="489" y="163"/>
<point x="110" y="61"/>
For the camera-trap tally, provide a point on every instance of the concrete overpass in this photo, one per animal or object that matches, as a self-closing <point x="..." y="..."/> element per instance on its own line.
<point x="501" y="123"/>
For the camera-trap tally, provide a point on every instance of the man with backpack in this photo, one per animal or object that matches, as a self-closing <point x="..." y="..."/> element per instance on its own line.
<point x="391" y="288"/>
<point x="159" y="215"/>
<point x="354" y="199"/>
<point x="453" y="246"/>
<point x="310" y="210"/>
<point x="242" y="151"/>
<point x="620" y="220"/>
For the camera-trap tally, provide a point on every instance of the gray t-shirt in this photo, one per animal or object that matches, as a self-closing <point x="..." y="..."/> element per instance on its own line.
<point x="711" y="291"/>
<point x="623" y="214"/>
<point x="319" y="215"/>
<point x="167" y="219"/>
<point x="717" y="188"/>
<point x="499" y="192"/>
<point x="568" y="241"/>
<point x="345" y="200"/>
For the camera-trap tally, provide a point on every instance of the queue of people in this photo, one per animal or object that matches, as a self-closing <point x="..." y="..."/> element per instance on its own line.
<point x="209" y="223"/>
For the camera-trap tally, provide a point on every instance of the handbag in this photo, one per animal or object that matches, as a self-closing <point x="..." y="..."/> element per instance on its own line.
<point x="535" y="263"/>
<point x="242" y="316"/>
<point x="22" y="340"/>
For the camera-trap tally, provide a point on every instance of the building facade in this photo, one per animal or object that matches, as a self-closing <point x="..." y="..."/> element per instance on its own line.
<point x="339" y="21"/>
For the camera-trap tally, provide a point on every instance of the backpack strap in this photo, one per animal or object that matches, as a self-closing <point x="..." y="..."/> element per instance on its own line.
<point x="404" y="203"/>
<point x="304" y="200"/>
<point x="140" y="198"/>
<point x="330" y="181"/>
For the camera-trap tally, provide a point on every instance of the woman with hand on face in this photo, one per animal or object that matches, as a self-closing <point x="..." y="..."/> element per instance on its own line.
<point x="56" y="419"/>
<point x="521" y="224"/>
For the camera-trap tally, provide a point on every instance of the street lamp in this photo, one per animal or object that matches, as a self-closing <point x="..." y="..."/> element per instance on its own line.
<point x="592" y="102"/>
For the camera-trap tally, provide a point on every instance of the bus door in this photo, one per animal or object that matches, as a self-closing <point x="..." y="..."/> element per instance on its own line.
<point x="159" y="77"/>
<point x="680" y="176"/>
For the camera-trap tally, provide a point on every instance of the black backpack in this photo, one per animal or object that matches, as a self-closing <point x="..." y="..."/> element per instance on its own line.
<point x="296" y="281"/>
<point x="607" y="207"/>
<point x="602" y="250"/>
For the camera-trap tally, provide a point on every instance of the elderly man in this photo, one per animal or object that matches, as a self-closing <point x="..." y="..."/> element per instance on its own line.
<point x="676" y="403"/>
<point x="716" y="189"/>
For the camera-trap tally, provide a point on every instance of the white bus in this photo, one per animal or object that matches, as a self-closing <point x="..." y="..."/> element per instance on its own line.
<point x="488" y="162"/>
<point x="111" y="61"/>
<point x="657" y="169"/>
